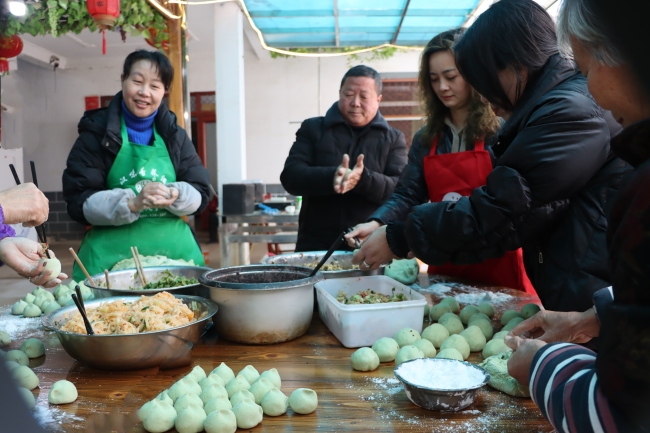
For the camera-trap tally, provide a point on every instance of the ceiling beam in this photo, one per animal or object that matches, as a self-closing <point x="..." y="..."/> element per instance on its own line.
<point x="337" y="36"/>
<point x="401" y="20"/>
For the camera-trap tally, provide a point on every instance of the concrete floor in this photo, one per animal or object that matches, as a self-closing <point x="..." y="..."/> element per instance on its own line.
<point x="14" y="287"/>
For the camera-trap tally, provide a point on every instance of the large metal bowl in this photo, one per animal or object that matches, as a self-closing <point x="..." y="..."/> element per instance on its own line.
<point x="262" y="304"/>
<point x="122" y="281"/>
<point x="312" y="258"/>
<point x="170" y="348"/>
<point x="441" y="399"/>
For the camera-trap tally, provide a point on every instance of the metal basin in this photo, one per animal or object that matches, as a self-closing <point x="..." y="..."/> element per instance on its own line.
<point x="122" y="281"/>
<point x="442" y="399"/>
<point x="170" y="348"/>
<point x="262" y="304"/>
<point x="312" y="258"/>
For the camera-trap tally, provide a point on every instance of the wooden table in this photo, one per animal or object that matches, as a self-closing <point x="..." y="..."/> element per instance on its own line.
<point x="348" y="400"/>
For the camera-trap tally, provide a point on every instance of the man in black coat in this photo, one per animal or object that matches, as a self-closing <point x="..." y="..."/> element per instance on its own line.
<point x="335" y="196"/>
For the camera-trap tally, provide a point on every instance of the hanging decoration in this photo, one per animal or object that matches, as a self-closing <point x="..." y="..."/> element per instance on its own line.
<point x="158" y="40"/>
<point x="104" y="14"/>
<point x="9" y="47"/>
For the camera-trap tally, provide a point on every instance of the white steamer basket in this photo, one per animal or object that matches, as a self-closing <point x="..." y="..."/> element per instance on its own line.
<point x="362" y="324"/>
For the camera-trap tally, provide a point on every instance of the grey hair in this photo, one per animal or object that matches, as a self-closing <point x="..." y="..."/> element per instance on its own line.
<point x="576" y="18"/>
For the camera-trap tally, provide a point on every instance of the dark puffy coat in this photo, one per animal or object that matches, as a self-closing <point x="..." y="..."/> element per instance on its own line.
<point x="548" y="193"/>
<point x="309" y="170"/>
<point x="623" y="362"/>
<point x="99" y="142"/>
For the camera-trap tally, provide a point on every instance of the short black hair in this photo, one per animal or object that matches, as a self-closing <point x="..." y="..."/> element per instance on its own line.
<point x="158" y="59"/>
<point x="364" y="71"/>
<point x="516" y="33"/>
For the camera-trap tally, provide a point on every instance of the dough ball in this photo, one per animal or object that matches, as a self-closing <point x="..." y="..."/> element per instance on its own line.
<point x="46" y="304"/>
<point x="494" y="347"/>
<point x="303" y="401"/>
<point x="447" y="316"/>
<point x="437" y="311"/>
<point x="32" y="311"/>
<point x="224" y="372"/>
<point x="62" y="392"/>
<point x="426" y="347"/>
<point x="274" y="402"/>
<point x="453" y="304"/>
<point x="508" y="316"/>
<point x="407" y="336"/>
<point x="11" y="365"/>
<point x="27" y="396"/>
<point x="65" y="299"/>
<point x="386" y="349"/>
<point x="72" y="284"/>
<point x="262" y="386"/>
<point x="456" y="342"/>
<point x="529" y="310"/>
<point x="146" y="408"/>
<point x="453" y="325"/>
<point x="211" y="392"/>
<point x="198" y="373"/>
<point x="33" y="348"/>
<point x="475" y="338"/>
<point x="364" y="359"/>
<point x="60" y="289"/>
<point x="221" y="421"/>
<point x="250" y="374"/>
<point x="18" y="308"/>
<point x="467" y="312"/>
<point x="38" y="290"/>
<point x="426" y="311"/>
<point x="241" y="395"/>
<point x="182" y="387"/>
<point x="25" y="377"/>
<point x="486" y="308"/>
<point x="190" y="419"/>
<point x="485" y="327"/>
<point x="273" y="376"/>
<point x="236" y="385"/>
<point x="213" y="379"/>
<point x="436" y="334"/>
<point x="164" y="397"/>
<point x="29" y="298"/>
<point x="185" y="400"/>
<point x="40" y="299"/>
<point x="511" y="324"/>
<point x="52" y="306"/>
<point x="450" y="353"/>
<point x="86" y="293"/>
<point x="52" y="265"/>
<point x="218" y="403"/>
<point x="500" y="335"/>
<point x="477" y="316"/>
<point x="160" y="418"/>
<point x="405" y="271"/>
<point x="248" y="413"/>
<point x="408" y="353"/>
<point x="18" y="356"/>
<point x="497" y="366"/>
<point x="5" y="339"/>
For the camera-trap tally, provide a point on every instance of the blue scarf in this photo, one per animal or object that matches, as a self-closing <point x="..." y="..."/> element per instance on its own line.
<point x="139" y="129"/>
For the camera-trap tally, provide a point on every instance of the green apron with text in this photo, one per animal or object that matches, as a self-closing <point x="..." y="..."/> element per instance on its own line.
<point x="156" y="232"/>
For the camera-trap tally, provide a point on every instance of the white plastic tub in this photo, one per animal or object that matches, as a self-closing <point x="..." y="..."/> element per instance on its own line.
<point x="363" y="324"/>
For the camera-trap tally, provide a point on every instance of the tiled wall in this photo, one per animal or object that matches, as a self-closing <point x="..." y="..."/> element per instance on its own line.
<point x="59" y="224"/>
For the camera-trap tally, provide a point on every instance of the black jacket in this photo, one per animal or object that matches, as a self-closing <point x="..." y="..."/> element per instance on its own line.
<point x="548" y="193"/>
<point x="309" y="170"/>
<point x="623" y="361"/>
<point x="99" y="142"/>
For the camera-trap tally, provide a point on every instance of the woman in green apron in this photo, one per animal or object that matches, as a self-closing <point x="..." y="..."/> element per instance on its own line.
<point x="133" y="173"/>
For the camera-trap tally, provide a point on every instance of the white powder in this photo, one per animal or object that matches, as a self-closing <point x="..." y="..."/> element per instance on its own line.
<point x="440" y="374"/>
<point x="17" y="326"/>
<point x="436" y="288"/>
<point x="52" y="418"/>
<point x="475" y="298"/>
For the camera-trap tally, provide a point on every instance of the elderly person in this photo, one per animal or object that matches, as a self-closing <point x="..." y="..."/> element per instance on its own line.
<point x="133" y="173"/>
<point x="335" y="195"/>
<point x="575" y="388"/>
<point x="27" y="205"/>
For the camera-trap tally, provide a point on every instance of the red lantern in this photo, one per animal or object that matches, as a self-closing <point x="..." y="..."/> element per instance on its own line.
<point x="9" y="47"/>
<point x="104" y="13"/>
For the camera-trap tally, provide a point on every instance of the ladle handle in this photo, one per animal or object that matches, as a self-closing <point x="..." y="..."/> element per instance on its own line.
<point x="89" y="328"/>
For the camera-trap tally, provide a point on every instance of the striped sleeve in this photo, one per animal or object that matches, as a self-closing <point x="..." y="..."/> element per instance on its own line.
<point x="564" y="385"/>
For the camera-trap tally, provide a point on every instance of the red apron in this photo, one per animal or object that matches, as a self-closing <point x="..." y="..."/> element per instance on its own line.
<point x="451" y="176"/>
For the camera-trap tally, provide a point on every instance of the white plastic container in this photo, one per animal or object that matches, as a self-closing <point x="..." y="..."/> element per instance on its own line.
<point x="363" y="324"/>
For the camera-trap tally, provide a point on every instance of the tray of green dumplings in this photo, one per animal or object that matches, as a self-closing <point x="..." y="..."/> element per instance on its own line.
<point x="356" y="323"/>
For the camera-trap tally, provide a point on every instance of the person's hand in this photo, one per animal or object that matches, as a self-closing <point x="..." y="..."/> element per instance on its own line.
<point x="23" y="256"/>
<point x="345" y="179"/>
<point x="24" y="204"/>
<point x="554" y="326"/>
<point x="153" y="195"/>
<point x="374" y="252"/>
<point x="361" y="232"/>
<point x="522" y="357"/>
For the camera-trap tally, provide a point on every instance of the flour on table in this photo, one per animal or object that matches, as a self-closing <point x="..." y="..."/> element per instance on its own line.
<point x="436" y="288"/>
<point x="52" y="418"/>
<point x="475" y="298"/>
<point x="18" y="327"/>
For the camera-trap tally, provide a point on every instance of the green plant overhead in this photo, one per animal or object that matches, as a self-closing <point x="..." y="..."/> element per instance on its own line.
<point x="57" y="17"/>
<point x="370" y="56"/>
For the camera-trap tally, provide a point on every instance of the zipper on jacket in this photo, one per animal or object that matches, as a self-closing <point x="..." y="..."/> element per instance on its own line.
<point x="541" y="257"/>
